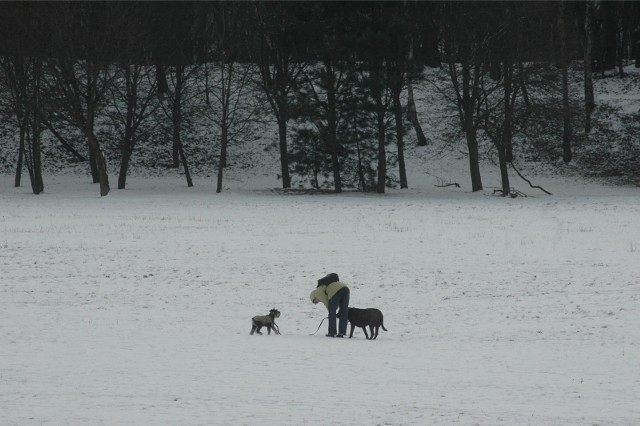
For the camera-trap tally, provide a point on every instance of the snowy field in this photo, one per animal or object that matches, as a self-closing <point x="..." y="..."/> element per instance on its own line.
<point x="134" y="309"/>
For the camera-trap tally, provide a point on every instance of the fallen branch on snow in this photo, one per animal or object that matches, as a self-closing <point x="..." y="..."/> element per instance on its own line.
<point x="442" y="184"/>
<point x="448" y="184"/>
<point x="528" y="181"/>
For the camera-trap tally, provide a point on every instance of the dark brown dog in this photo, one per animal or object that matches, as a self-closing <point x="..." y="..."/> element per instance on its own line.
<point x="364" y="318"/>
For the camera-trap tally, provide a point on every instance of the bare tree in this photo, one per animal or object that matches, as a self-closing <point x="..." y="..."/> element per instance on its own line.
<point x="412" y="114"/>
<point x="397" y="80"/>
<point x="178" y="95"/>
<point x="80" y="89"/>
<point x="499" y="119"/>
<point x="381" y="103"/>
<point x="230" y="83"/>
<point x="134" y="101"/>
<point x="278" y="70"/>
<point x="466" y="38"/>
<point x="325" y="89"/>
<point x="567" y="132"/>
<point x="79" y="76"/>
<point x="589" y="103"/>
<point x="24" y="77"/>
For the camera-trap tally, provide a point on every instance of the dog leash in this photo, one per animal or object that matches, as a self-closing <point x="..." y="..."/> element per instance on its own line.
<point x="319" y="326"/>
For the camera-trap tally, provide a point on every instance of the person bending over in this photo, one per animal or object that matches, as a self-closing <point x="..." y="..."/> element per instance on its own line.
<point x="333" y="294"/>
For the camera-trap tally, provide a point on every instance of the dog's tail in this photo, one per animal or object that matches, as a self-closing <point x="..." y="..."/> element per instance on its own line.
<point x="382" y="325"/>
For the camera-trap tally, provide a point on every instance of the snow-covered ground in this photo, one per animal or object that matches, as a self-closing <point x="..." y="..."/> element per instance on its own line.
<point x="135" y="308"/>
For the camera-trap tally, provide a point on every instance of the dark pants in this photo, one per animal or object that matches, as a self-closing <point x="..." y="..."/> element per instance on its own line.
<point x="339" y="300"/>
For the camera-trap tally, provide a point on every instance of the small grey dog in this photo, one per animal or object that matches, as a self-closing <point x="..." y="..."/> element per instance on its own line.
<point x="370" y="317"/>
<point x="268" y="321"/>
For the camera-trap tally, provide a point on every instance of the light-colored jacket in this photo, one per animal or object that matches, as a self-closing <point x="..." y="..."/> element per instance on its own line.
<point x="325" y="292"/>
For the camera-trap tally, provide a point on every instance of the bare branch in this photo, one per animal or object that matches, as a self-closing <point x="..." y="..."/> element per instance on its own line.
<point x="528" y="181"/>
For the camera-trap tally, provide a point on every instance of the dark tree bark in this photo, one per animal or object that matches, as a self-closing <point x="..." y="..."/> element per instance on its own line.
<point x="176" y="116"/>
<point x="468" y="94"/>
<point x="20" y="162"/>
<point x="467" y="68"/>
<point x="332" y="124"/>
<point x="23" y="78"/>
<point x="172" y="104"/>
<point x="589" y="103"/>
<point x="35" y="169"/>
<point x="377" y="93"/>
<point x="138" y="107"/>
<point x="397" y="112"/>
<point x="224" y="142"/>
<point x="65" y="144"/>
<point x="567" y="132"/>
<point x="128" y="118"/>
<point x="176" y="123"/>
<point x="279" y="70"/>
<point x="226" y="92"/>
<point x="79" y="74"/>
<point x="607" y="39"/>
<point x="412" y="115"/>
<point x="505" y="150"/>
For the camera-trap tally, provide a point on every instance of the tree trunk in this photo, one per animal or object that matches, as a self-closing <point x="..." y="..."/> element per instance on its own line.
<point x="93" y="164"/>
<point x="505" y="146"/>
<point x="523" y="87"/>
<point x="176" y="123"/>
<point x="33" y="157"/>
<point x="38" y="183"/>
<point x="161" y="79"/>
<point x="564" y="65"/>
<point x="469" y="99"/>
<point x="223" y="150"/>
<point x="127" y="150"/>
<point x="185" y="164"/>
<point x="284" y="154"/>
<point x="332" y="127"/>
<point x="567" y="154"/>
<point x="361" y="178"/>
<point x="124" y="167"/>
<point x="504" y="171"/>
<point x="177" y="143"/>
<point x="589" y="103"/>
<point x="129" y="132"/>
<point x="620" y="42"/>
<point x="176" y="112"/>
<point x="412" y="115"/>
<point x="382" y="152"/>
<point x="474" y="156"/>
<point x="66" y="145"/>
<point x="36" y="158"/>
<point x="382" y="158"/>
<point x="397" y="107"/>
<point x="18" y="176"/>
<point x="100" y="162"/>
<point x="33" y="120"/>
<point x="608" y="37"/>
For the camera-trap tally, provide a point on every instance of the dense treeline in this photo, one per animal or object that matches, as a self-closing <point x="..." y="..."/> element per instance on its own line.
<point x="338" y="77"/>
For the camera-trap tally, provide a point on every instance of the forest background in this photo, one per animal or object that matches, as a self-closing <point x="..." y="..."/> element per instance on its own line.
<point x="179" y="85"/>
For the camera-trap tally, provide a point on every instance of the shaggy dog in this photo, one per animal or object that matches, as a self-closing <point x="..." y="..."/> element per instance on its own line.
<point x="268" y="321"/>
<point x="370" y="317"/>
